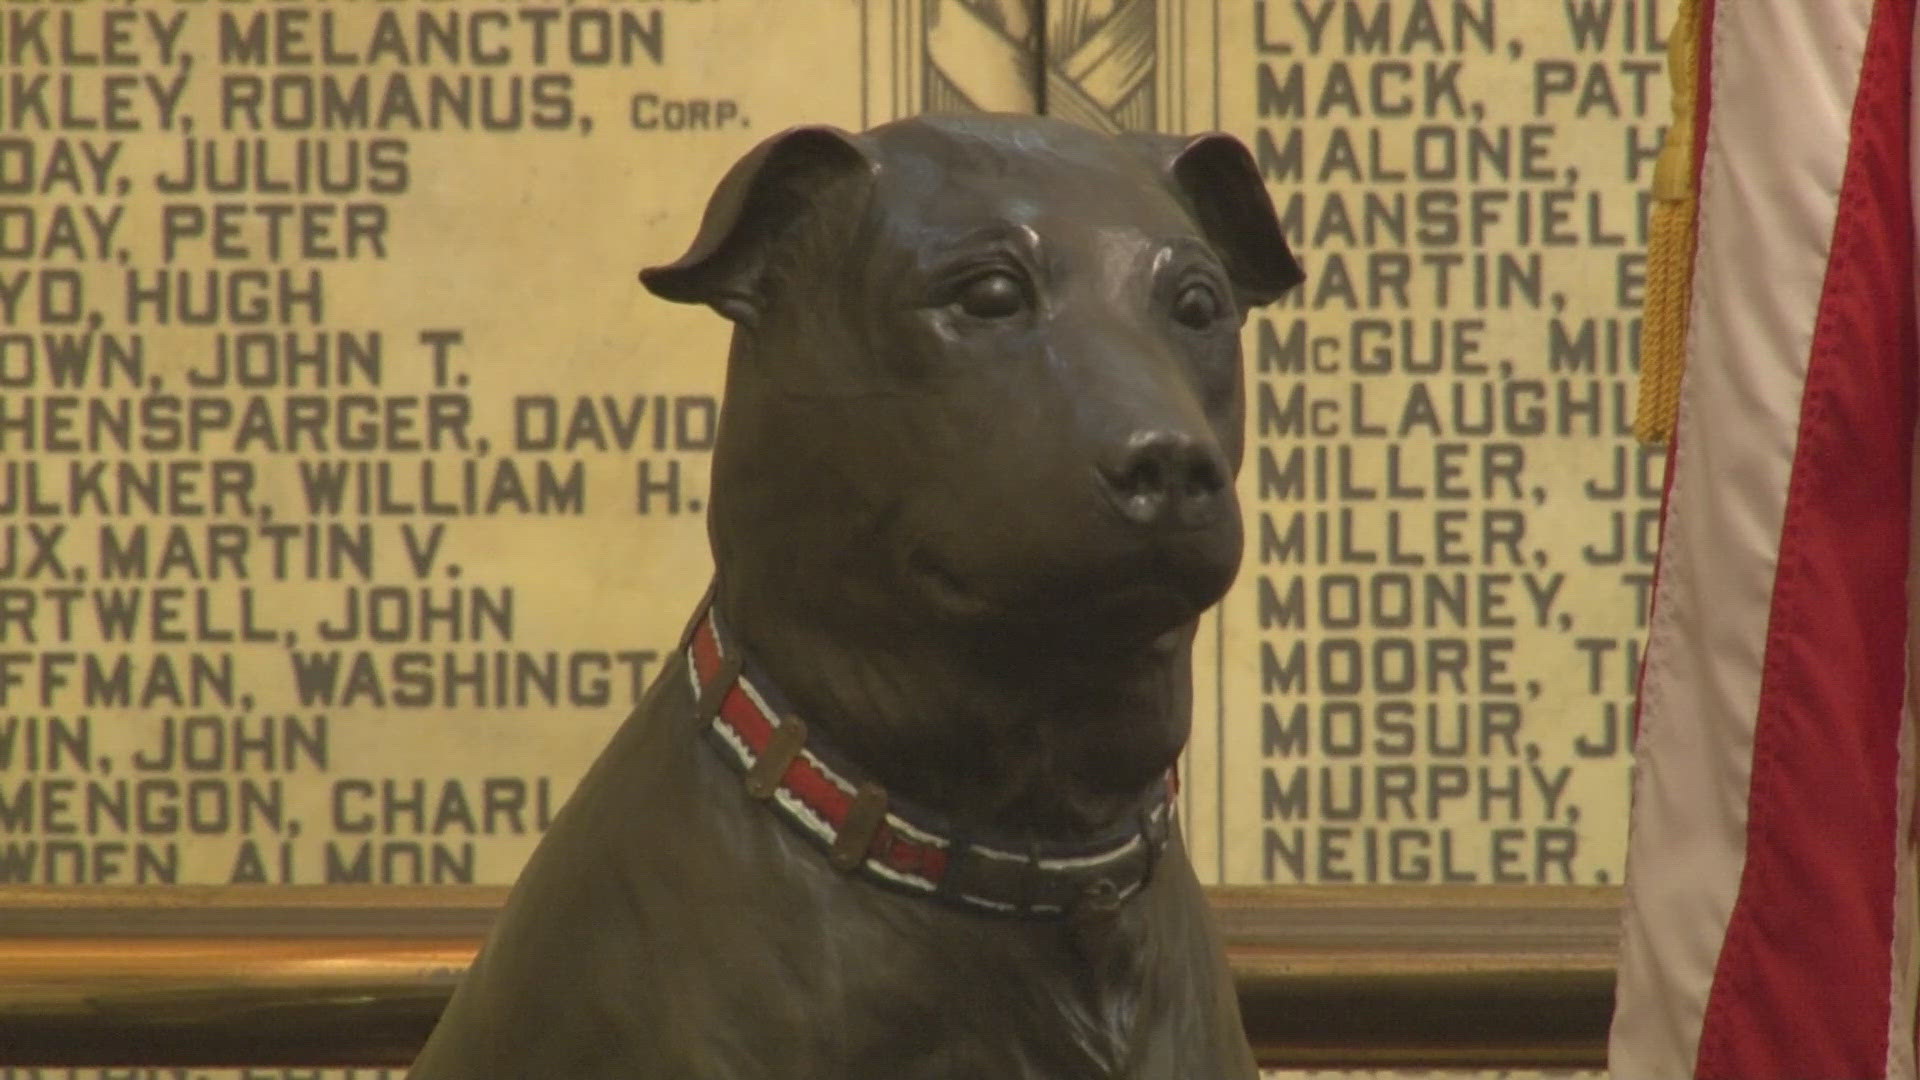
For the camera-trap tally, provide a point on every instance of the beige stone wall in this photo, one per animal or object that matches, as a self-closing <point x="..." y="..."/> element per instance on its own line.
<point x="356" y="282"/>
<point x="350" y="486"/>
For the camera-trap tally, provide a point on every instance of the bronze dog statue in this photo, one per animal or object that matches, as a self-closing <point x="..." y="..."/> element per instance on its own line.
<point x="902" y="806"/>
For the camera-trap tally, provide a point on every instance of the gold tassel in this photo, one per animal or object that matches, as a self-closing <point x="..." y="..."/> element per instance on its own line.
<point x="1669" y="289"/>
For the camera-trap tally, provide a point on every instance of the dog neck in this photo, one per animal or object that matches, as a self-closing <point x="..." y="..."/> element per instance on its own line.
<point x="1007" y="737"/>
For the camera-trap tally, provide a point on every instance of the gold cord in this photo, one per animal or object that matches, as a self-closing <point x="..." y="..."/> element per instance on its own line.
<point x="1669" y="289"/>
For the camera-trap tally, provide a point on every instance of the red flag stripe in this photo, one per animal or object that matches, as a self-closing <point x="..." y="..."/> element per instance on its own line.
<point x="1782" y="85"/>
<point x="1802" y="984"/>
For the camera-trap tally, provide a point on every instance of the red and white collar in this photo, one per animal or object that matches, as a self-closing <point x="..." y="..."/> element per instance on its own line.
<point x="865" y="831"/>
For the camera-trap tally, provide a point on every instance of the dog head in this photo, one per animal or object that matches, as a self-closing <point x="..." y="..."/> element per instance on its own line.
<point x="986" y="376"/>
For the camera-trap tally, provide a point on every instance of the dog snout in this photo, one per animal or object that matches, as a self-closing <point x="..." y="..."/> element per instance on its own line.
<point x="1162" y="477"/>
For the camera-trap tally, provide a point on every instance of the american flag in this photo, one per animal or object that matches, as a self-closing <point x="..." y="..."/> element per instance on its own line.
<point x="1770" y="909"/>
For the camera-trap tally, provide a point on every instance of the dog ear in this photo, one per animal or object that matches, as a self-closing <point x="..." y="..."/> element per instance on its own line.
<point x="1217" y="179"/>
<point x="758" y="198"/>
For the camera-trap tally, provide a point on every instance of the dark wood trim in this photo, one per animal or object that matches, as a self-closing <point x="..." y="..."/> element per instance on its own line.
<point x="353" y="975"/>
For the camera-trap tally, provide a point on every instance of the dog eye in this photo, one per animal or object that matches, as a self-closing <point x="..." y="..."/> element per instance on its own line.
<point x="993" y="296"/>
<point x="1197" y="307"/>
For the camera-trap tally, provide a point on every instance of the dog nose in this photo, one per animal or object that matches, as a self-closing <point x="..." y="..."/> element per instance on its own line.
<point x="1166" y="477"/>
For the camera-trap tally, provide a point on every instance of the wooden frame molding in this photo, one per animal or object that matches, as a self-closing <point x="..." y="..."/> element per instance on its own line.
<point x="355" y="975"/>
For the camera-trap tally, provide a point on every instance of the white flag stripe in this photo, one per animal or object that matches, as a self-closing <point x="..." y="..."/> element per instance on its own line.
<point x="1775" y="156"/>
<point x="1900" y="1050"/>
<point x="1901" y="1063"/>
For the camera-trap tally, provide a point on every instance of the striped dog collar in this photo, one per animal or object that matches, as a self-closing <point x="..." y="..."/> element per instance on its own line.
<point x="865" y="831"/>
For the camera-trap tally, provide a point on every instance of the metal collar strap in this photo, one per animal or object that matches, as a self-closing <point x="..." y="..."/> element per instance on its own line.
<point x="865" y="831"/>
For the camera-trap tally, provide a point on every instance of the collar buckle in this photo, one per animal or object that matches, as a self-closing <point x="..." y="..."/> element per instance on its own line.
<point x="864" y="818"/>
<point x="771" y="766"/>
